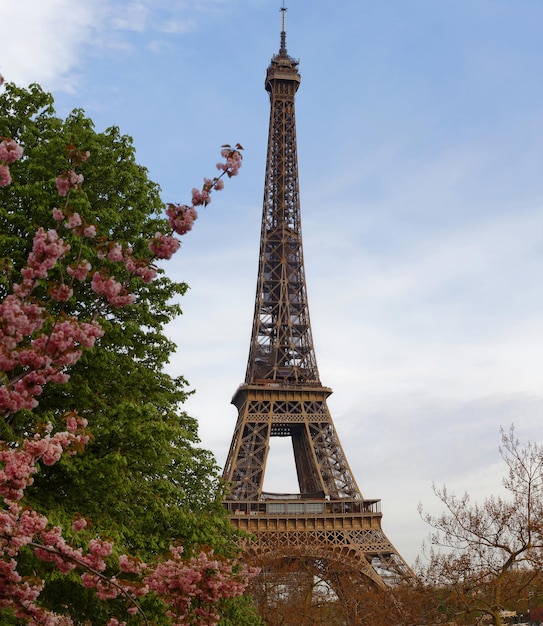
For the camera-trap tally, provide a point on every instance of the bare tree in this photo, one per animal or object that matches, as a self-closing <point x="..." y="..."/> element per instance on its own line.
<point x="291" y="591"/>
<point x="490" y="556"/>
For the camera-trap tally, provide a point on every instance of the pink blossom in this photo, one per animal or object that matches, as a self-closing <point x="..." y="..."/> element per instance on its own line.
<point x="100" y="548"/>
<point x="191" y="589"/>
<point x="10" y="151"/>
<point x="43" y="358"/>
<point x="130" y="564"/>
<point x="19" y="464"/>
<point x="79" y="524"/>
<point x="80" y="270"/>
<point x="115" y="253"/>
<point x="181" y="218"/>
<point x="90" y="231"/>
<point x="53" y="452"/>
<point x="18" y="318"/>
<point x="146" y="272"/>
<point x="233" y="161"/>
<point x="47" y="249"/>
<point x="63" y="186"/>
<point x="58" y="214"/>
<point x="114" y="291"/>
<point x="61" y="293"/>
<point x="200" y="197"/>
<point x="163" y="246"/>
<point x="5" y="176"/>
<point x="74" y="221"/>
<point x="68" y="180"/>
<point x="75" y="423"/>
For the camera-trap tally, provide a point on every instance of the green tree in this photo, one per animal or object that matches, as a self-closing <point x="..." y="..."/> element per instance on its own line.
<point x="143" y="480"/>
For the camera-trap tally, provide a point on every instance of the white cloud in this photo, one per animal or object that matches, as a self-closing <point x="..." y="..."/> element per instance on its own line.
<point x="129" y="16"/>
<point x="178" y="26"/>
<point x="44" y="41"/>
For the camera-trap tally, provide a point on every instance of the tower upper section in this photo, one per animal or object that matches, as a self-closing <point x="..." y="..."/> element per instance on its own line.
<point x="283" y="68"/>
<point x="281" y="343"/>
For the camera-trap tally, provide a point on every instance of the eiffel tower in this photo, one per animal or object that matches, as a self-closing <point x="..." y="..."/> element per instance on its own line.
<point x="329" y="524"/>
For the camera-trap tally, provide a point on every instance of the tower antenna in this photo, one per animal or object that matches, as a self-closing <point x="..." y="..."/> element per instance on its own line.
<point x="283" y="49"/>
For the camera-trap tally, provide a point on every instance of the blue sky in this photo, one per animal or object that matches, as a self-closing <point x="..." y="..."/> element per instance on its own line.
<point x="420" y="137"/>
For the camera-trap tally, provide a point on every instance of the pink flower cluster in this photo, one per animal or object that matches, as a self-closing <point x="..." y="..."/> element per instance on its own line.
<point x="30" y="357"/>
<point x="142" y="268"/>
<point x="67" y="181"/>
<point x="47" y="250"/>
<point x="10" y="151"/>
<point x="164" y="246"/>
<point x="181" y="217"/>
<point x="192" y="589"/>
<point x="79" y="269"/>
<point x="19" y="464"/>
<point x="113" y="290"/>
<point x="55" y="549"/>
<point x="115" y="293"/>
<point x="21" y="526"/>
<point x="73" y="221"/>
<point x="233" y="159"/>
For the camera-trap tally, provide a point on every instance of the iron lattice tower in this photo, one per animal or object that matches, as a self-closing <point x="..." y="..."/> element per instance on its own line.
<point x="328" y="523"/>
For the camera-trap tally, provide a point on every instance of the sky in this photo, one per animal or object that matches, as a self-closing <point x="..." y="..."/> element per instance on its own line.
<point x="420" y="144"/>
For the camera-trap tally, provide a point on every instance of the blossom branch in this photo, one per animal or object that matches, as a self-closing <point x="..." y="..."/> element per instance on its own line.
<point x="38" y="342"/>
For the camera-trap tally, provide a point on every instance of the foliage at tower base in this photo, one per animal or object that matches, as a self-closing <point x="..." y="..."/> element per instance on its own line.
<point x="78" y="271"/>
<point x="301" y="592"/>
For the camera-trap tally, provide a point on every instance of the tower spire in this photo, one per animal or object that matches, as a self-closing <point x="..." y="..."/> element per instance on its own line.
<point x="283" y="48"/>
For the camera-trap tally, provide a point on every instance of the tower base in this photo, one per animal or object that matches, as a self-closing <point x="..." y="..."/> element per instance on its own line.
<point x="344" y="535"/>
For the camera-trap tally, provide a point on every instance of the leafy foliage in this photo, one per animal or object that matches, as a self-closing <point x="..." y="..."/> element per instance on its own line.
<point x="143" y="479"/>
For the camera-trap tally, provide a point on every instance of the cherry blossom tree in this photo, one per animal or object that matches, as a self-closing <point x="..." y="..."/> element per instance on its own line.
<point x="39" y="341"/>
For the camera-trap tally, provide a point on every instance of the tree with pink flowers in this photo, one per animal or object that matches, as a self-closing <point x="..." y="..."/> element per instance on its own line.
<point x="112" y="511"/>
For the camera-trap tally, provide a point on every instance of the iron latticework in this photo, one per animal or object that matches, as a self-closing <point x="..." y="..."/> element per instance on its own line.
<point x="282" y="396"/>
<point x="281" y="342"/>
